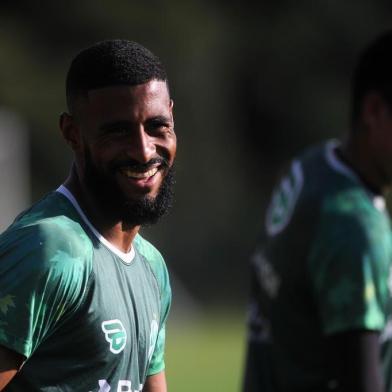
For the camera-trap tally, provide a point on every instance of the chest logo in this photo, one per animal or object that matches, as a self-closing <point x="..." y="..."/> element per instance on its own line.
<point x="115" y="335"/>
<point x="284" y="200"/>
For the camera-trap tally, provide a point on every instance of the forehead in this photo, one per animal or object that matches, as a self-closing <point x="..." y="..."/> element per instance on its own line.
<point x="141" y="100"/>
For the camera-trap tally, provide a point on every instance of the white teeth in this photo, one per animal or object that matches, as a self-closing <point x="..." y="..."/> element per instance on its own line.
<point x="133" y="174"/>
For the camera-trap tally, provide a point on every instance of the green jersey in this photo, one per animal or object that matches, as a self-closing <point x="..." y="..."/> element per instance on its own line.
<point x="322" y="268"/>
<point x="87" y="316"/>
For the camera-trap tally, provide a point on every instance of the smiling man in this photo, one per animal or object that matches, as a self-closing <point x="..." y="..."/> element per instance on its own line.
<point x="85" y="296"/>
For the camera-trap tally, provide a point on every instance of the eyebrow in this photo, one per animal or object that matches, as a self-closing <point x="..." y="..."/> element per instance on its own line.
<point x="159" y="119"/>
<point x="128" y="124"/>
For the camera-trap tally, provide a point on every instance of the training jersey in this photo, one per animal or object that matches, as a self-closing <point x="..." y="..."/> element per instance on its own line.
<point x="87" y="316"/>
<point x="322" y="267"/>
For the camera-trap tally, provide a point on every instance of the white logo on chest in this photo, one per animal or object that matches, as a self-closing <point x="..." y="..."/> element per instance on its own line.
<point x="115" y="335"/>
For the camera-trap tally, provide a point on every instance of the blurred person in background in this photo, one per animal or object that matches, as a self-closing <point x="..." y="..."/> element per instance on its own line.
<point x="83" y="297"/>
<point x="320" y="309"/>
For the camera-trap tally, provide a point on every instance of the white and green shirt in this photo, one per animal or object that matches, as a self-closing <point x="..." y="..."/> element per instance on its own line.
<point x="87" y="316"/>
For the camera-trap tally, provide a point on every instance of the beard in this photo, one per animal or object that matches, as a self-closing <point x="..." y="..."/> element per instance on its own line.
<point x="145" y="210"/>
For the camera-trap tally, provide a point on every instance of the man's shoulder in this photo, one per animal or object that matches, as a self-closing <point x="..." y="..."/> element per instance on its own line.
<point x="353" y="218"/>
<point x="305" y="185"/>
<point x="319" y="189"/>
<point x="46" y="234"/>
<point x="310" y="176"/>
<point x="356" y="203"/>
<point x="332" y="183"/>
<point x="323" y="171"/>
<point x="153" y="257"/>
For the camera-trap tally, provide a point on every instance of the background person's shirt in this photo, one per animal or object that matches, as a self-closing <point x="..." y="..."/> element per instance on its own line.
<point x="87" y="316"/>
<point x="323" y="267"/>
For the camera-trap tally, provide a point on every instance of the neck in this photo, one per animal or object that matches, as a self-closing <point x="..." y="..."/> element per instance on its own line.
<point x="356" y="152"/>
<point x="115" y="231"/>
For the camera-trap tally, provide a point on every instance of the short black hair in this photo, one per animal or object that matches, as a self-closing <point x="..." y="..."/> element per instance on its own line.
<point x="111" y="63"/>
<point x="373" y="73"/>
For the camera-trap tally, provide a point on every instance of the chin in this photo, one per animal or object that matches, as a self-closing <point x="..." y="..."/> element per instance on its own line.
<point x="130" y="199"/>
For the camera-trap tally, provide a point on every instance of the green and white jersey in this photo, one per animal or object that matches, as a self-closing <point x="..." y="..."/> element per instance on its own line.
<point x="87" y="316"/>
<point x="323" y="267"/>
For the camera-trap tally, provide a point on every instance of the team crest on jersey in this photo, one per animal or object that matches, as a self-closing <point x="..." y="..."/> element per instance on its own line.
<point x="153" y="338"/>
<point x="284" y="199"/>
<point x="115" y="335"/>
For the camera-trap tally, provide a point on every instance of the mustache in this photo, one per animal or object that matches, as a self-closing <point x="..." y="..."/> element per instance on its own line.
<point x="137" y="166"/>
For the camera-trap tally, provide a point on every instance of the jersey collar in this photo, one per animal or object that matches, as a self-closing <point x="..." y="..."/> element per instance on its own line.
<point x="341" y="167"/>
<point x="126" y="257"/>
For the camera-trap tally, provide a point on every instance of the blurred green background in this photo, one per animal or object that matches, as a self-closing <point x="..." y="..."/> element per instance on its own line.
<point x="253" y="82"/>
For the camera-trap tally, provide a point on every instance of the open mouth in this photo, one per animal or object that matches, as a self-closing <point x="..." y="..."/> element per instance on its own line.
<point x="137" y="174"/>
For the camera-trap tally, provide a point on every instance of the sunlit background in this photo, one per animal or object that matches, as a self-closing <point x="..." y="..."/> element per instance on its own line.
<point x="254" y="82"/>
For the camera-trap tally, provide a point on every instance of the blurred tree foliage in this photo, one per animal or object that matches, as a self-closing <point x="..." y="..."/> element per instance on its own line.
<point x="253" y="83"/>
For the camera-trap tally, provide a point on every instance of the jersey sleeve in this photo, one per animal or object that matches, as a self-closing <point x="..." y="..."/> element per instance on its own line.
<point x="159" y="269"/>
<point x="157" y="363"/>
<point x="348" y="269"/>
<point x="42" y="278"/>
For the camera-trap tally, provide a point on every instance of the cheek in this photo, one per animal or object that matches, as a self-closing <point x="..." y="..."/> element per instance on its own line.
<point x="171" y="147"/>
<point x="92" y="161"/>
<point x="384" y="141"/>
<point x="103" y="153"/>
<point x="382" y="150"/>
<point x="380" y="139"/>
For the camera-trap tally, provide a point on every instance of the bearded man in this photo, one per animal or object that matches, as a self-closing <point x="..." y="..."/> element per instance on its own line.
<point x="87" y="296"/>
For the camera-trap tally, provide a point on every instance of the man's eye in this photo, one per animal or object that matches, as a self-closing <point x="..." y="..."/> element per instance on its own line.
<point x="159" y="127"/>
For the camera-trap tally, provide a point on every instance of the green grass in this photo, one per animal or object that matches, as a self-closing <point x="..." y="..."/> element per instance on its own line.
<point x="205" y="356"/>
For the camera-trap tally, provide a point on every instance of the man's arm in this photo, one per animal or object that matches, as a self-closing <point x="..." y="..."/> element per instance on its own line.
<point x="258" y="372"/>
<point x="10" y="363"/>
<point x="354" y="360"/>
<point x="156" y="383"/>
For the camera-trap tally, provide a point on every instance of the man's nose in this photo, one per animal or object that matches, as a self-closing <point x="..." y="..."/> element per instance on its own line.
<point x="141" y="146"/>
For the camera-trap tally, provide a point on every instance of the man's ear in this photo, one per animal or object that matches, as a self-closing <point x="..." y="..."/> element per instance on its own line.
<point x="171" y="105"/>
<point x="70" y="131"/>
